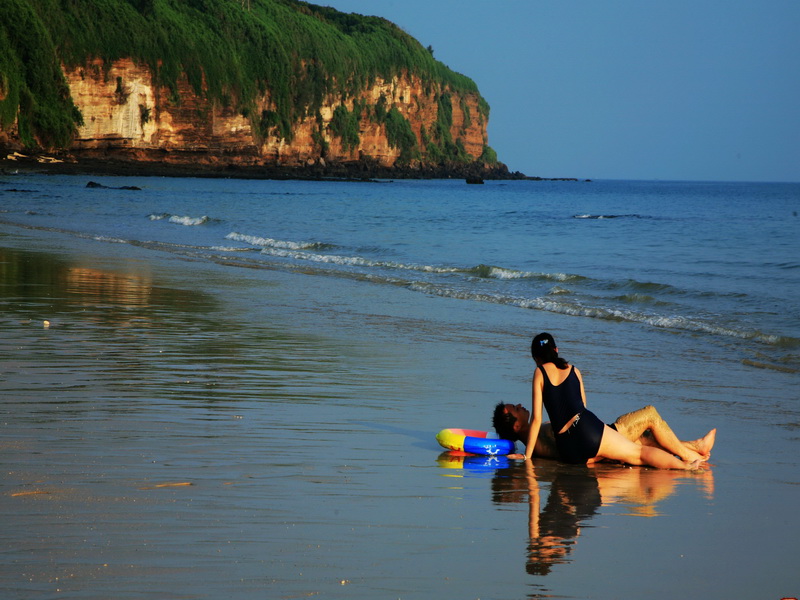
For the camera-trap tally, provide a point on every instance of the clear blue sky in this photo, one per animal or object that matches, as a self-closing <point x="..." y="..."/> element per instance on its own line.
<point x="633" y="89"/>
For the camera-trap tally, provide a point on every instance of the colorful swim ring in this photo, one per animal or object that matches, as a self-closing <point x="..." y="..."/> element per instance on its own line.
<point x="474" y="442"/>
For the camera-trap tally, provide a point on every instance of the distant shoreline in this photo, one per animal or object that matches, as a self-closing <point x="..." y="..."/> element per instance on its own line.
<point x="54" y="164"/>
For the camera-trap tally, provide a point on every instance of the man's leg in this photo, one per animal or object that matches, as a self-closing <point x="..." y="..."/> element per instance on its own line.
<point x="636" y="424"/>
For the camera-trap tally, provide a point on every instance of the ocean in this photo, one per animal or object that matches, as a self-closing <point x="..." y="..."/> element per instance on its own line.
<point x="231" y="387"/>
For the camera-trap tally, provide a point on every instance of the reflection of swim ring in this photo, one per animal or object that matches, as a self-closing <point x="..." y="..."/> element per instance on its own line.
<point x="456" y="462"/>
<point x="474" y="442"/>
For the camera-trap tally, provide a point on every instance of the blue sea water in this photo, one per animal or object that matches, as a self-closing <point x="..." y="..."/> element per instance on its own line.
<point x="279" y="355"/>
<point x="717" y="261"/>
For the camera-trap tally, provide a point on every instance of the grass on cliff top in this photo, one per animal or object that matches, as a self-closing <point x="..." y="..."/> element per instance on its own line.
<point x="231" y="50"/>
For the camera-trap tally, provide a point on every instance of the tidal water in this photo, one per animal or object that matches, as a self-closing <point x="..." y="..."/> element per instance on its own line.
<point x="231" y="388"/>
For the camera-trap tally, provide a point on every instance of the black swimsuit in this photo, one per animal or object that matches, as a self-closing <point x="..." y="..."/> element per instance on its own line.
<point x="582" y="440"/>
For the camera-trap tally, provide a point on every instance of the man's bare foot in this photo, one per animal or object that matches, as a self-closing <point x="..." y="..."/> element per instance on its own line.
<point x="691" y="454"/>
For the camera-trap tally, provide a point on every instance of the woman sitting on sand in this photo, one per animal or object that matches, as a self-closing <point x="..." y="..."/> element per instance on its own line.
<point x="580" y="436"/>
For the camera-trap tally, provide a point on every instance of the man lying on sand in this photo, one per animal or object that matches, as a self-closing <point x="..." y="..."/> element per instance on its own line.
<point x="644" y="426"/>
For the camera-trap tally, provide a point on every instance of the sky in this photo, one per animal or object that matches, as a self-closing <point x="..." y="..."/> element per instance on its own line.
<point x="703" y="90"/>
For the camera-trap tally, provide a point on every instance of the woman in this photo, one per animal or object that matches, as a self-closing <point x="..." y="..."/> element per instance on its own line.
<point x="580" y="436"/>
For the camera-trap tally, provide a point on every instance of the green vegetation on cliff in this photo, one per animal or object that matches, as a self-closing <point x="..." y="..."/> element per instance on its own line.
<point x="230" y="50"/>
<point x="31" y="81"/>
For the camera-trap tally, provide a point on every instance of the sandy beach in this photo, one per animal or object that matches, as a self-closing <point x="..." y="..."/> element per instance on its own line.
<point x="176" y="428"/>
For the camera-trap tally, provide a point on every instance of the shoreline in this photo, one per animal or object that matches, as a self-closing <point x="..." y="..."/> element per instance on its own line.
<point x="357" y="171"/>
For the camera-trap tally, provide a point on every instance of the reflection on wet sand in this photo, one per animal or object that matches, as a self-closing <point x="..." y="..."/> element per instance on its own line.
<point x="576" y="495"/>
<point x="93" y="285"/>
<point x="642" y="489"/>
<point x="572" y="496"/>
<point x="45" y="286"/>
<point x="121" y="328"/>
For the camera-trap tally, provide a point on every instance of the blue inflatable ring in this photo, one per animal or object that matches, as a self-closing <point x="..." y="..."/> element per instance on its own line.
<point x="474" y="442"/>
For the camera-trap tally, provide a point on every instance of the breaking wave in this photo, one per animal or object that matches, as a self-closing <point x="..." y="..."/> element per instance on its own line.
<point x="600" y="217"/>
<point x="301" y="251"/>
<point x="493" y="272"/>
<point x="556" y="305"/>
<point x="558" y="299"/>
<point x="265" y="242"/>
<point x="180" y="220"/>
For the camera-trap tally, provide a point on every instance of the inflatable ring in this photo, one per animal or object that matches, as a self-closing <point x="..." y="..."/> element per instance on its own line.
<point x="474" y="442"/>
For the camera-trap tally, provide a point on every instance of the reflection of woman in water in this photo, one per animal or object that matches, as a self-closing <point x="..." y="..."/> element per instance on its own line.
<point x="573" y="499"/>
<point x="575" y="496"/>
<point x="580" y="435"/>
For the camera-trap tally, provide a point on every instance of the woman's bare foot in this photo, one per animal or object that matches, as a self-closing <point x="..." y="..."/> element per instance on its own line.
<point x="706" y="443"/>
<point x="702" y="447"/>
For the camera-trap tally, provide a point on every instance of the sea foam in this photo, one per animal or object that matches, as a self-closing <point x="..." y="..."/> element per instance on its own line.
<point x="265" y="242"/>
<point x="180" y="220"/>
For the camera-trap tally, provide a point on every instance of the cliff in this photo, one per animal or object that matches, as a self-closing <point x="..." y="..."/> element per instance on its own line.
<point x="272" y="83"/>
<point x="124" y="109"/>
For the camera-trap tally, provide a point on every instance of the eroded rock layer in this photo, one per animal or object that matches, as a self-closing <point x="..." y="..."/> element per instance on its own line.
<point x="126" y="113"/>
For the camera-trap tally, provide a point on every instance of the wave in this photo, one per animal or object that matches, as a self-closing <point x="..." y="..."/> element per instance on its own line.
<point x="600" y="217"/>
<point x="230" y="249"/>
<point x="105" y="238"/>
<point x="770" y="366"/>
<point x="641" y="299"/>
<point x="787" y="266"/>
<point x="265" y="242"/>
<point x="645" y="286"/>
<point x="555" y="305"/>
<point x="297" y="250"/>
<point x="493" y="272"/>
<point x="642" y="289"/>
<point x="284" y="250"/>
<point x="354" y="261"/>
<point x="180" y="220"/>
<point x="558" y="300"/>
<point x="559" y="291"/>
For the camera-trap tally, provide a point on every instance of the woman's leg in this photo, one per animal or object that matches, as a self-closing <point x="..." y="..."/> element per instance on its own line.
<point x="634" y="424"/>
<point x="617" y="447"/>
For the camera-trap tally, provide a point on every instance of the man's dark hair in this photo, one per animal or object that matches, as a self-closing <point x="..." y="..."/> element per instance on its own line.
<point x="503" y="423"/>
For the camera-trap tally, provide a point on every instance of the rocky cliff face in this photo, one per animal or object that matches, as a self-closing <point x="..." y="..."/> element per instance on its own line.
<point x="126" y="114"/>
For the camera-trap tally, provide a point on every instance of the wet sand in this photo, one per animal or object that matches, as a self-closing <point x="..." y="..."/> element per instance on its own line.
<point x="183" y="430"/>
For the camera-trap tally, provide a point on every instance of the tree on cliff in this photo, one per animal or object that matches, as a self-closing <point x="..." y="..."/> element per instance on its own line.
<point x="231" y="52"/>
